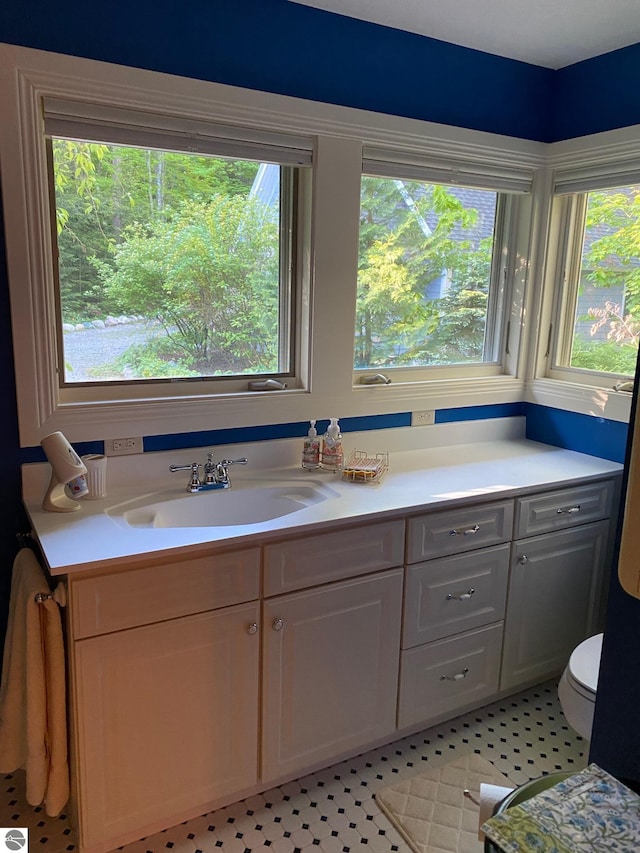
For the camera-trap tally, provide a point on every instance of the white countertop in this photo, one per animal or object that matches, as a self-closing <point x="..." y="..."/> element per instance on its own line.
<point x="418" y="479"/>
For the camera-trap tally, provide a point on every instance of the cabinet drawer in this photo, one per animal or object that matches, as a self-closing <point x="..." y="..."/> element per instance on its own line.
<point x="442" y="677"/>
<point x="315" y="560"/>
<point x="452" y="531"/>
<point x="454" y="594"/>
<point x="141" y="596"/>
<point x="563" y="508"/>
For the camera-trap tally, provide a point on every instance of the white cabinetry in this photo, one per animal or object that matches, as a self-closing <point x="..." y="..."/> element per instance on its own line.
<point x="330" y="658"/>
<point x="330" y="671"/>
<point x="168" y="720"/>
<point x="556" y="580"/>
<point x="166" y="714"/>
<point x="445" y="666"/>
<point x="197" y="681"/>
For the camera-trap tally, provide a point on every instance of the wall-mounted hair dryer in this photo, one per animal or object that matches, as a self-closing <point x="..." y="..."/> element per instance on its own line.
<point x="68" y="471"/>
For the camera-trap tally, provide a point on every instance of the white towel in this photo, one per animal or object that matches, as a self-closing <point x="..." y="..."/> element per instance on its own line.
<point x="33" y="721"/>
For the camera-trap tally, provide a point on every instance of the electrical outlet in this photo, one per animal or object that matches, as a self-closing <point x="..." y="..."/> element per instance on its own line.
<point x="122" y="446"/>
<point x="424" y="418"/>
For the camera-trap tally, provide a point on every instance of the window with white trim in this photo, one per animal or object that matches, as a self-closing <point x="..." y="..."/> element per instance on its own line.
<point x="434" y="271"/>
<point x="596" y="319"/>
<point x="176" y="245"/>
<point x="124" y="156"/>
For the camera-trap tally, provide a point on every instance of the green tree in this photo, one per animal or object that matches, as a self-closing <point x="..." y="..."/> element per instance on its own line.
<point x="610" y="259"/>
<point x="209" y="273"/>
<point x="459" y="335"/>
<point x="101" y="190"/>
<point x="410" y="235"/>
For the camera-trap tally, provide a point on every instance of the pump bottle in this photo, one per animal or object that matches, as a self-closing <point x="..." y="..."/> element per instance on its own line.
<point x="311" y="448"/>
<point x="332" y="453"/>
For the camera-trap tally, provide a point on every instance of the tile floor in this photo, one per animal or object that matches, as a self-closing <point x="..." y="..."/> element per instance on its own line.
<point x="334" y="810"/>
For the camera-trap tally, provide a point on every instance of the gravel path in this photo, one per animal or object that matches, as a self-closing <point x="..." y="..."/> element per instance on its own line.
<point x="97" y="348"/>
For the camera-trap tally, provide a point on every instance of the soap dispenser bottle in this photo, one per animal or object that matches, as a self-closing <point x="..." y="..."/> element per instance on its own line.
<point x="332" y="453"/>
<point x="311" y="448"/>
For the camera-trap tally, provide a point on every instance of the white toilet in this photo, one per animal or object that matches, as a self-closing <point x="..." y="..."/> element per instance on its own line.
<point x="577" y="687"/>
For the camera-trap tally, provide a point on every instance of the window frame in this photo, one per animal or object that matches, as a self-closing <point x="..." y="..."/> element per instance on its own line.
<point x="505" y="300"/>
<point x="326" y="261"/>
<point x="567" y="222"/>
<point x="109" y="124"/>
<point x="291" y="224"/>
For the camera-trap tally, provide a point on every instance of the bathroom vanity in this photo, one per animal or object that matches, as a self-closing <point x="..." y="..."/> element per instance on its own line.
<point x="208" y="665"/>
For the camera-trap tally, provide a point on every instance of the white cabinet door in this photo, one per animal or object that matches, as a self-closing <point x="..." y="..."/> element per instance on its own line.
<point x="553" y="601"/>
<point x="167" y="720"/>
<point x="330" y="671"/>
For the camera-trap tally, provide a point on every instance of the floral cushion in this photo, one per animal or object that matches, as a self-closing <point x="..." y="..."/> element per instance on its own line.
<point x="586" y="813"/>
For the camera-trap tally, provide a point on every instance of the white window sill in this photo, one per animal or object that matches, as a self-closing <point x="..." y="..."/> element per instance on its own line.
<point x="584" y="399"/>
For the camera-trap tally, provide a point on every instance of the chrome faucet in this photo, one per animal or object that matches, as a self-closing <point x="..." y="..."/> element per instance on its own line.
<point x="216" y="474"/>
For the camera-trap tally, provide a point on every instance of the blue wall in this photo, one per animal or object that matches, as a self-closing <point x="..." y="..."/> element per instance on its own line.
<point x="294" y="50"/>
<point x="282" y="47"/>
<point x="597" y="95"/>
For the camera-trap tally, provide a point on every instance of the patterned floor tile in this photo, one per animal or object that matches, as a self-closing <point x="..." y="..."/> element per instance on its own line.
<point x="334" y="810"/>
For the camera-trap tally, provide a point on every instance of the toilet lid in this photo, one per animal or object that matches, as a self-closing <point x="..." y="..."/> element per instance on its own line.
<point x="584" y="663"/>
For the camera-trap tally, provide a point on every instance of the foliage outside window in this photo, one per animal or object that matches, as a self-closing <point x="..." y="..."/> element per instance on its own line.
<point x="425" y="279"/>
<point x="600" y="310"/>
<point x="170" y="265"/>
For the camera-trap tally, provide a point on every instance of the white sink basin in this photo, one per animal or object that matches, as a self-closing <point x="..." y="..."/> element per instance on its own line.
<point x="246" y="503"/>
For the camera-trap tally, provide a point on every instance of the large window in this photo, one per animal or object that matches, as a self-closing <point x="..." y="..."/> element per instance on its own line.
<point x="427" y="284"/>
<point x="170" y="241"/>
<point x="171" y="265"/>
<point x="597" y="324"/>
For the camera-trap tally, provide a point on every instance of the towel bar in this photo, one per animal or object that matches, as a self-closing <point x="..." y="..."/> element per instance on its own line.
<point x="59" y="595"/>
<point x="59" y="592"/>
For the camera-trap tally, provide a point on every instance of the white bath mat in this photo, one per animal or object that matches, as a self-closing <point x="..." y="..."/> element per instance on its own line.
<point x="430" y="810"/>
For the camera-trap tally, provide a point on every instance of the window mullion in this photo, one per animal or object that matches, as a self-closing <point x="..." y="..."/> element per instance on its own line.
<point x="568" y="276"/>
<point x="500" y="279"/>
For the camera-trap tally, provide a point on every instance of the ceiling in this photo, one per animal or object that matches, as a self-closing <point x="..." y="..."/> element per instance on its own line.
<point x="550" y="33"/>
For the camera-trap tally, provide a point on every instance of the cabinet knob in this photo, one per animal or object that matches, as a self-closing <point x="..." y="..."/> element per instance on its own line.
<point x="465" y="531"/>
<point x="457" y="677"/>
<point x="252" y="628"/>
<point x="277" y="624"/>
<point x="462" y="596"/>
<point x="523" y="560"/>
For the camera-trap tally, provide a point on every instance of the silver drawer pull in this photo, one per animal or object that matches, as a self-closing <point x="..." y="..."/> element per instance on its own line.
<point x="277" y="624"/>
<point x="457" y="677"/>
<point x="568" y="509"/>
<point x="252" y="628"/>
<point x="523" y="560"/>
<point x="468" y="531"/>
<point x="462" y="597"/>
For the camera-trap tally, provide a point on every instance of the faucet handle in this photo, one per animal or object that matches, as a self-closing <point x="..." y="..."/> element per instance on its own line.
<point x="194" y="483"/>
<point x="222" y="469"/>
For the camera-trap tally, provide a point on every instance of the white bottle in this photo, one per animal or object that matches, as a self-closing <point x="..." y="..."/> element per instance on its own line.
<point x="311" y="448"/>
<point x="332" y="453"/>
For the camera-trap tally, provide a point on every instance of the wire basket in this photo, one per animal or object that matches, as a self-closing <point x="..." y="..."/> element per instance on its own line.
<point x="360" y="468"/>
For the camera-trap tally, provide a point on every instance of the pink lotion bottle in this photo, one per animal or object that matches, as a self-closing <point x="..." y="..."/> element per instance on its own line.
<point x="311" y="449"/>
